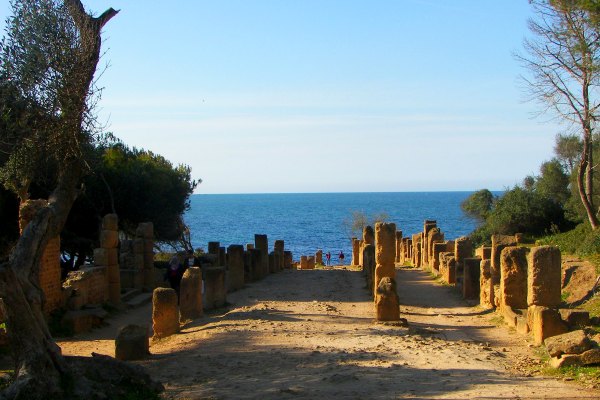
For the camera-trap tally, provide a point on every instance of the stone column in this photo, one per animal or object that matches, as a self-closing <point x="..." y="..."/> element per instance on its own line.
<point x="368" y="257"/>
<point x="355" y="251"/>
<point x="311" y="262"/>
<point x="222" y="257"/>
<point x="435" y="235"/>
<point x="319" y="257"/>
<point x="272" y="266"/>
<point x="438" y="248"/>
<point x="416" y="250"/>
<point x="386" y="297"/>
<point x="255" y="262"/>
<point x="486" y="286"/>
<point x="108" y="255"/>
<point x="368" y="235"/>
<point x="471" y="271"/>
<point x="214" y="248"/>
<point x="499" y="242"/>
<point x="214" y="285"/>
<point x="427" y="226"/>
<point x="190" y="298"/>
<point x="513" y="277"/>
<point x="261" y="242"/>
<point x="279" y="248"/>
<point x="483" y="252"/>
<point x="398" y="246"/>
<point x="165" y="316"/>
<point x="544" y="283"/>
<point x="235" y="256"/>
<point x="288" y="260"/>
<point x="303" y="262"/>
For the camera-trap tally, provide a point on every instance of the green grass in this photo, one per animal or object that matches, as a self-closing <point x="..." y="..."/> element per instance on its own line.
<point x="592" y="306"/>
<point x="581" y="242"/>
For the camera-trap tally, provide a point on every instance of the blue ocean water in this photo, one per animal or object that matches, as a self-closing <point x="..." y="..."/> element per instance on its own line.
<point x="311" y="221"/>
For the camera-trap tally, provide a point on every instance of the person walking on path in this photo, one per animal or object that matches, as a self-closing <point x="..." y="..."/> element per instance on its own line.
<point x="174" y="274"/>
<point x="328" y="259"/>
<point x="341" y="257"/>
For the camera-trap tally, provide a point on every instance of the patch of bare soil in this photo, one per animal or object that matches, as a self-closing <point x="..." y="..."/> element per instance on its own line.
<point x="311" y="334"/>
<point x="578" y="280"/>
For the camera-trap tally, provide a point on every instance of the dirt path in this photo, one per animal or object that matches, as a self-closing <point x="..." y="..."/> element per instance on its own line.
<point x="311" y="334"/>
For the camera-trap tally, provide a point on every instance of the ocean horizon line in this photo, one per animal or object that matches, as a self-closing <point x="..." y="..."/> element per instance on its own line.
<point x="346" y="192"/>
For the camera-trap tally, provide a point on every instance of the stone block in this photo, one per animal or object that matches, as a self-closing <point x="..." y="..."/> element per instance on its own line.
<point x="311" y="262"/>
<point x="499" y="242"/>
<point x="319" y="257"/>
<point x="113" y="274"/>
<point x="544" y="323"/>
<point x="435" y="235"/>
<point x="522" y="325"/>
<point x="132" y="343"/>
<point x="575" y="342"/>
<point x="109" y="239"/>
<point x="114" y="292"/>
<point x="165" y="315"/>
<point x="438" y="248"/>
<point x="368" y="235"/>
<point x="544" y="286"/>
<point x="385" y="246"/>
<point x="272" y="265"/>
<point x="486" y="287"/>
<point x="471" y="271"/>
<point x="235" y="255"/>
<point x="213" y="248"/>
<point x="138" y="246"/>
<point x="386" y="301"/>
<point x="288" y="259"/>
<point x="484" y="252"/>
<point x="104" y="257"/>
<point x="567" y="360"/>
<point x="509" y="315"/>
<point x="303" y="262"/>
<point x="214" y="286"/>
<point x="450" y="270"/>
<point x="255" y="256"/>
<point x="463" y="248"/>
<point x="190" y="294"/>
<point x="355" y="251"/>
<point x="398" y="246"/>
<point x="261" y="243"/>
<point x="110" y="222"/>
<point x="575" y="318"/>
<point x="249" y="246"/>
<point x="513" y="277"/>
<point x="222" y="257"/>
<point x="368" y="256"/>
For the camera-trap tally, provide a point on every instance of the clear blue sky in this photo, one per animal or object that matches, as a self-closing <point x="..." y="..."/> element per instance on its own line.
<point x="325" y="96"/>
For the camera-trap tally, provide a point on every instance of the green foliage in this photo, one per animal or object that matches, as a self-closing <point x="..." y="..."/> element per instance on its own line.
<point x="478" y="205"/>
<point x="568" y="150"/>
<point x="553" y="183"/>
<point x="581" y="241"/>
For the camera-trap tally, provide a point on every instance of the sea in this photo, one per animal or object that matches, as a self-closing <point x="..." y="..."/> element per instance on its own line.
<point x="308" y="222"/>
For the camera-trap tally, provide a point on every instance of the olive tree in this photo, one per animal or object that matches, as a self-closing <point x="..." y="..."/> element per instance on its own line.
<point x="48" y="60"/>
<point x="563" y="58"/>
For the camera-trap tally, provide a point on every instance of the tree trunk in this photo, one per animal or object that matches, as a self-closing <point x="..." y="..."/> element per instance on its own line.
<point x="41" y="369"/>
<point x="584" y="180"/>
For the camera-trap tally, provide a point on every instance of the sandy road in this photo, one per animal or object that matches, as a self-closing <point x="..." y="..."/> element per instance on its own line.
<point x="311" y="335"/>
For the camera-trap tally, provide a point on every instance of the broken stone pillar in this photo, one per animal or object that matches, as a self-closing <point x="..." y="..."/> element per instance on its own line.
<point x="416" y="250"/>
<point x="428" y="225"/>
<point x="438" y="248"/>
<point x="132" y="343"/>
<point x="214" y="248"/>
<point x="398" y="246"/>
<point x="450" y="269"/>
<point x="463" y="248"/>
<point x="255" y="258"/>
<point x="310" y="262"/>
<point x="303" y="262"/>
<point x="279" y="248"/>
<point x="319" y="257"/>
<point x="435" y="235"/>
<point x="288" y="260"/>
<point x="513" y="277"/>
<point x="499" y="242"/>
<point x="49" y="272"/>
<point x="272" y="266"/>
<point x="386" y="297"/>
<point x="408" y="251"/>
<point x="261" y="242"/>
<point x="355" y="251"/>
<point x="249" y="246"/>
<point x="190" y="294"/>
<point x="214" y="286"/>
<point x="385" y="251"/>
<point x="386" y="300"/>
<point x="235" y="257"/>
<point x="486" y="286"/>
<point x="368" y="235"/>
<point x="471" y="271"/>
<point x="483" y="252"/>
<point x="222" y="257"/>
<point x="544" y="285"/>
<point x="109" y="247"/>
<point x="165" y="315"/>
<point x="544" y="322"/>
<point x="368" y="256"/>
